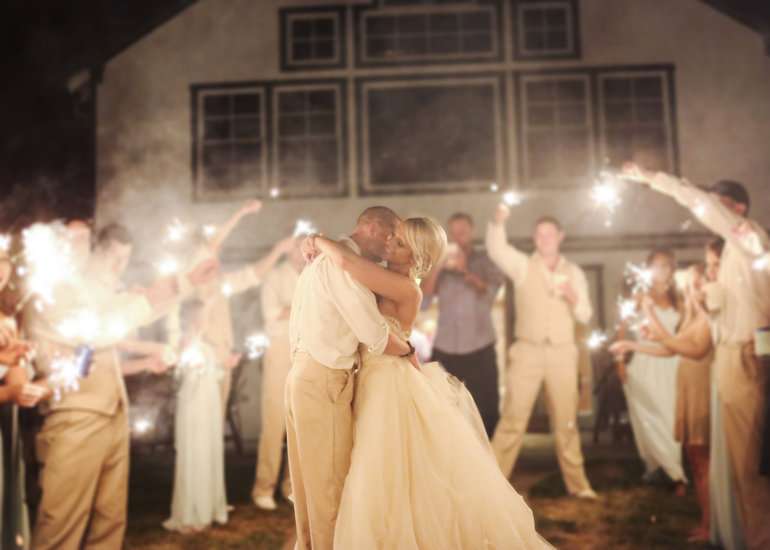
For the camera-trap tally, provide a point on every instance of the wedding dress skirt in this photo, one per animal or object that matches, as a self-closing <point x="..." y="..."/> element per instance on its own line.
<point x="199" y="475"/>
<point x="651" y="396"/>
<point x="422" y="473"/>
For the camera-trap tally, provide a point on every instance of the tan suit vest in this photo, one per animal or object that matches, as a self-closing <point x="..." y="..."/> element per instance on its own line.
<point x="541" y="316"/>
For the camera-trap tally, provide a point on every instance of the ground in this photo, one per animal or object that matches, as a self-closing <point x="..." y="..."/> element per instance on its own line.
<point x="629" y="515"/>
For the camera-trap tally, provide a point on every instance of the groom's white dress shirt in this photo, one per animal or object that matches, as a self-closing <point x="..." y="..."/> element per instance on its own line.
<point x="332" y="312"/>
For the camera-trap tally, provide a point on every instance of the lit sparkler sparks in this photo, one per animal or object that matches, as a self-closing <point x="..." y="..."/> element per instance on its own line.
<point x="209" y="231"/>
<point x="494" y="187"/>
<point x="511" y="198"/>
<point x="638" y="277"/>
<point x="176" y="231"/>
<point x="627" y="309"/>
<point x="596" y="340"/>
<point x="192" y="360"/>
<point x="167" y="266"/>
<point x="761" y="262"/>
<point x="256" y="345"/>
<point x="64" y="376"/>
<point x="5" y="243"/>
<point x="304" y="227"/>
<point x="227" y="289"/>
<point x="142" y="425"/>
<point x="274" y="193"/>
<point x="47" y="255"/>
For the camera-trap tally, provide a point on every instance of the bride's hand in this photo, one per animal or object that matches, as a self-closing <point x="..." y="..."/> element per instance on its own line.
<point x="309" y="248"/>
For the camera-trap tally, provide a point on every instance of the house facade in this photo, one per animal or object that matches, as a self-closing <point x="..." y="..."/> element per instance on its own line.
<point x="431" y="107"/>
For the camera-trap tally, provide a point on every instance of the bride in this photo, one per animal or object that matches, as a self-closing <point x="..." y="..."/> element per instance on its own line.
<point x="422" y="473"/>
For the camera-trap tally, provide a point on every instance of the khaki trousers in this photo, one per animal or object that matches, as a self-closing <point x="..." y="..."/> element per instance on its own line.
<point x="530" y="366"/>
<point x="742" y="384"/>
<point x="84" y="480"/>
<point x="319" y="432"/>
<point x="276" y="366"/>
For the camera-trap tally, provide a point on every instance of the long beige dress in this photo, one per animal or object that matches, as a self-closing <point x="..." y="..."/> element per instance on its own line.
<point x="422" y="473"/>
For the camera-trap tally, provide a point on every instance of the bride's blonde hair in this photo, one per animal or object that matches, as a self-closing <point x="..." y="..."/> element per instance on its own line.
<point x="427" y="240"/>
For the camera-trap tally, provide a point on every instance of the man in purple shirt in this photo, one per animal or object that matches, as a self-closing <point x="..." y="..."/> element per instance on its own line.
<point x="466" y="283"/>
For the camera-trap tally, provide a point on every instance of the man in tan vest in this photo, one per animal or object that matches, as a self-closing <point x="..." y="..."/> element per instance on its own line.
<point x="741" y="305"/>
<point x="551" y="296"/>
<point x="331" y="314"/>
<point x="83" y="445"/>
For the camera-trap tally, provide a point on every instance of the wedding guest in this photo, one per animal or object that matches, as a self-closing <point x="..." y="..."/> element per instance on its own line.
<point x="692" y="425"/>
<point x="218" y="332"/>
<point x="649" y="380"/>
<point x="466" y="282"/>
<point x="16" y="390"/>
<point x="743" y="306"/>
<point x="277" y="293"/>
<point x="198" y="498"/>
<point x="551" y="296"/>
<point x="83" y="444"/>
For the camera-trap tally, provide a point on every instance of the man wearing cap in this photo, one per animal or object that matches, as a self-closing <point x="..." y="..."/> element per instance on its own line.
<point x="742" y="379"/>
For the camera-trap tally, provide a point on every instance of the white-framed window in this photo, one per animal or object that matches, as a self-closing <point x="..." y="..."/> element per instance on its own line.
<point x="431" y="134"/>
<point x="557" y="129"/>
<point x="308" y="150"/>
<point x="230" y="142"/>
<point x="429" y="33"/>
<point x="312" y="38"/>
<point x="545" y="29"/>
<point x="635" y="119"/>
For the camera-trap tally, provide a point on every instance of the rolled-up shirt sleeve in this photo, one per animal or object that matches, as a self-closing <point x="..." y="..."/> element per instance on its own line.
<point x="241" y="279"/>
<point x="358" y="308"/>
<point x="707" y="208"/>
<point x="513" y="263"/>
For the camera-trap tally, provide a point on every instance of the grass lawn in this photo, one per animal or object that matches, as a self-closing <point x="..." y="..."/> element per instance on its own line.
<point x="629" y="515"/>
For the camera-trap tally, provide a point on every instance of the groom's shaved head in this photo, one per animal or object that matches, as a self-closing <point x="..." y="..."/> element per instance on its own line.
<point x="382" y="215"/>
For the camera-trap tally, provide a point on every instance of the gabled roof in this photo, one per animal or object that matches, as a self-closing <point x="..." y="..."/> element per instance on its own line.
<point x="754" y="14"/>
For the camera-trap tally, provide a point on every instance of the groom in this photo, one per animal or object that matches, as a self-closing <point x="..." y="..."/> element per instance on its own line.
<point x="330" y="314"/>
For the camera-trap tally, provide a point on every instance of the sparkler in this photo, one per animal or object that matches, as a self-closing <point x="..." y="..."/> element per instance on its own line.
<point x="274" y="193"/>
<point x="511" y="198"/>
<point x="209" y="231"/>
<point x="47" y="255"/>
<point x="192" y="360"/>
<point x="638" y="277"/>
<point x="256" y="345"/>
<point x="227" y="289"/>
<point x="494" y="187"/>
<point x="596" y="340"/>
<point x="175" y="231"/>
<point x="167" y="266"/>
<point x="304" y="227"/>
<point x="627" y="308"/>
<point x="5" y="243"/>
<point x="142" y="425"/>
<point x="64" y="376"/>
<point x="761" y="262"/>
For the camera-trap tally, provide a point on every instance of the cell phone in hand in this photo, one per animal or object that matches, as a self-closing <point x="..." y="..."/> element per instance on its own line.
<point x="83" y="356"/>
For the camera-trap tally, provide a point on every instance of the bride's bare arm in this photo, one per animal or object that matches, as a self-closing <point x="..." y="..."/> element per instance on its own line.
<point x="376" y="278"/>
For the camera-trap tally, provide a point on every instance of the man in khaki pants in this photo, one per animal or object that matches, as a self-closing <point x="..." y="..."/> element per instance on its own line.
<point x="83" y="444"/>
<point x="330" y="315"/>
<point x="551" y="296"/>
<point x="277" y="294"/>
<point x="741" y="304"/>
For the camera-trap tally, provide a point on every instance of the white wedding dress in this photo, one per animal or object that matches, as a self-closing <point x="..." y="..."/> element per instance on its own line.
<point x="422" y="473"/>
<point x="199" y="476"/>
<point x="651" y="397"/>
